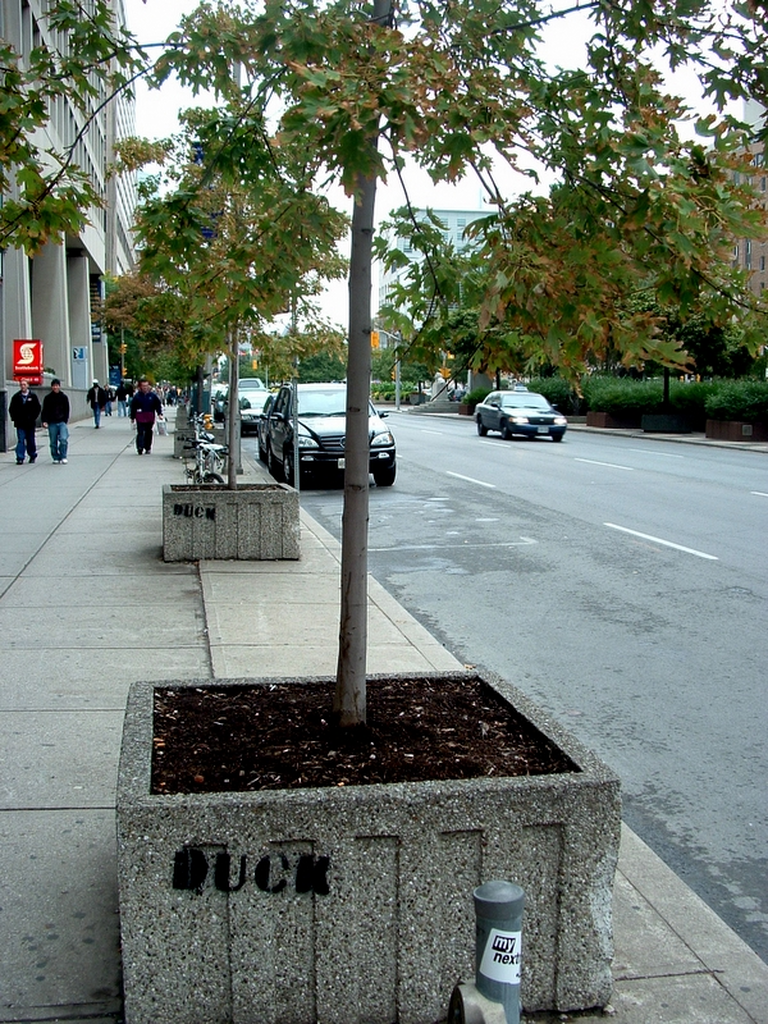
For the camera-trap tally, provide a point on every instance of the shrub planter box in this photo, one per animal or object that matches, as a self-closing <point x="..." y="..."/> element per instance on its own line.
<point x="256" y="521"/>
<point x="353" y="904"/>
<point x="465" y="409"/>
<point x="604" y="419"/>
<point x="735" y="430"/>
<point x="665" y="423"/>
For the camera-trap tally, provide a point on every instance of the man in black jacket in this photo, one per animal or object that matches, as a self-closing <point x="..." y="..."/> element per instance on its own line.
<point x="24" y="408"/>
<point x="145" y="405"/>
<point x="55" y="417"/>
<point x="97" y="399"/>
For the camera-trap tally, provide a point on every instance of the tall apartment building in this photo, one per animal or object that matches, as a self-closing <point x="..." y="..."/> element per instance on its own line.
<point x="454" y="223"/>
<point x="51" y="295"/>
<point x="748" y="254"/>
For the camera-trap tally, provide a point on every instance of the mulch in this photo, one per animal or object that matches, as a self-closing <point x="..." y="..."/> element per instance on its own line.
<point x="281" y="736"/>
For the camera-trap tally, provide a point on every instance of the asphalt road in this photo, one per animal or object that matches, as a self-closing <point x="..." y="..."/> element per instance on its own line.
<point x="622" y="583"/>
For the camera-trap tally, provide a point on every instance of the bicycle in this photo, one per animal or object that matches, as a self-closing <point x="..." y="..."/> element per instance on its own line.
<point x="210" y="458"/>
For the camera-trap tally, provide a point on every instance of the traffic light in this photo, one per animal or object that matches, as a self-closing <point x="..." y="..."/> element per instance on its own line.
<point x="374" y="339"/>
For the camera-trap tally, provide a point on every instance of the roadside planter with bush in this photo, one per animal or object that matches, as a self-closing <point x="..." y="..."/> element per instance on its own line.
<point x="347" y="902"/>
<point x="738" y="411"/>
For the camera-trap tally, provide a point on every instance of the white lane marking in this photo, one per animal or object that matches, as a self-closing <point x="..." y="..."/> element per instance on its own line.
<point x="487" y="520"/>
<point x="659" y="455"/>
<point x="760" y="494"/>
<point x="523" y="542"/>
<point x="471" y="480"/>
<point x="426" y="430"/>
<point x="665" y="543"/>
<point x="610" y="465"/>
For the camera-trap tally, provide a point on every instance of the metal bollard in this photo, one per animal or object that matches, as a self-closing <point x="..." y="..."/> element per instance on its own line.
<point x="495" y="996"/>
<point x="499" y="910"/>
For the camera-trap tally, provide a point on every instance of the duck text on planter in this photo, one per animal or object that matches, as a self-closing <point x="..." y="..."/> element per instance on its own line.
<point x="189" y="511"/>
<point x="271" y="874"/>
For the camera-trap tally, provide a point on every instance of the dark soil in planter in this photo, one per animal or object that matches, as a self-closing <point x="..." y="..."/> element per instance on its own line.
<point x="279" y="736"/>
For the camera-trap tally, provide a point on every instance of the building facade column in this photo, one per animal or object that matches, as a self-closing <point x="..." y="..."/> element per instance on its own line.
<point x="83" y="369"/>
<point x="50" y="317"/>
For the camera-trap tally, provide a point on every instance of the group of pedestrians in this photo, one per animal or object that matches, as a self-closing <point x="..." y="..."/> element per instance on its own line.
<point x="24" y="410"/>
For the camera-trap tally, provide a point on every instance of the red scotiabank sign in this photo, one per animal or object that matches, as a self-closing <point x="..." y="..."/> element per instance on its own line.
<point x="28" y="361"/>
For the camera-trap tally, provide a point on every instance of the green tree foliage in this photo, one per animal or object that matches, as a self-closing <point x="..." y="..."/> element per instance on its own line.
<point x="81" y="55"/>
<point x="358" y="88"/>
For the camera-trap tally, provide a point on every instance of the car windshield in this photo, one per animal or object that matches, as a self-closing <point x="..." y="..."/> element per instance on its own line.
<point x="524" y="401"/>
<point x="323" y="403"/>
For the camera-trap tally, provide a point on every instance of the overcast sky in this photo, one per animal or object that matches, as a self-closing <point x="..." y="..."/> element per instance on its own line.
<point x="156" y="116"/>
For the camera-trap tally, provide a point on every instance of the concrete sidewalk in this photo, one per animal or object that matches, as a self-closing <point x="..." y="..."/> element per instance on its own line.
<point x="87" y="606"/>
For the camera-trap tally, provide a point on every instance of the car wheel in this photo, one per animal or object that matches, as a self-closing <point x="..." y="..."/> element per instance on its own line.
<point x="288" y="473"/>
<point x="482" y="430"/>
<point x="557" y="437"/>
<point x="262" y="453"/>
<point x="385" y="477"/>
<point x="271" y="463"/>
<point x="506" y="433"/>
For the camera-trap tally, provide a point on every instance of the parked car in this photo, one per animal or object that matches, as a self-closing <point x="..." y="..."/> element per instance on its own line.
<point x="246" y="383"/>
<point x="322" y="434"/>
<point x="520" y="412"/>
<point x="262" y="428"/>
<point x="251" y="402"/>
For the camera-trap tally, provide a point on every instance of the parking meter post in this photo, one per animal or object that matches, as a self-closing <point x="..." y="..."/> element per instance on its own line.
<point x="498" y="935"/>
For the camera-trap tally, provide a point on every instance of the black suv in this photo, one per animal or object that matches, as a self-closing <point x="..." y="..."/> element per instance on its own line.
<point x="322" y="434"/>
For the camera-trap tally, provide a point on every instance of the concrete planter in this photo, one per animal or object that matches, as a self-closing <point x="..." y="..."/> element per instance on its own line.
<point x="665" y="423"/>
<point x="604" y="419"/>
<point x="354" y="905"/>
<point x="256" y="521"/>
<point x="735" y="430"/>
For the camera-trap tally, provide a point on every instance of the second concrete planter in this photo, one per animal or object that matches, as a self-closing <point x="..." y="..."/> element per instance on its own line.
<point x="255" y="521"/>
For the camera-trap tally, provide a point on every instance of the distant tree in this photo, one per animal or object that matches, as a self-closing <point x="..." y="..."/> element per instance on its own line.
<point x="232" y="233"/>
<point x="323" y="366"/>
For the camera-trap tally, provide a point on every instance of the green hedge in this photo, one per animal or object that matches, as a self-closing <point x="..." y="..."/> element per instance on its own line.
<point x="625" y="398"/>
<point x="560" y="393"/>
<point x="745" y="400"/>
<point x="384" y="391"/>
<point x="476" y="396"/>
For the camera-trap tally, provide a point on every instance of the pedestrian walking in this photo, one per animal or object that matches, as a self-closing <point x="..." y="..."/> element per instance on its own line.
<point x="122" y="399"/>
<point x="97" y="399"/>
<point x="145" y="405"/>
<point x="110" y="400"/>
<point x="24" y="408"/>
<point x="55" y="417"/>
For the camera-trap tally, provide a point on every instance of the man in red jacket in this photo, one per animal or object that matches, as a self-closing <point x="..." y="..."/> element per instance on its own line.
<point x="145" y="405"/>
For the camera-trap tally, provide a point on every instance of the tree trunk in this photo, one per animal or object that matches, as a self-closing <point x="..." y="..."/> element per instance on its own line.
<point x="233" y="410"/>
<point x="349" y="702"/>
<point x="350" y="698"/>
